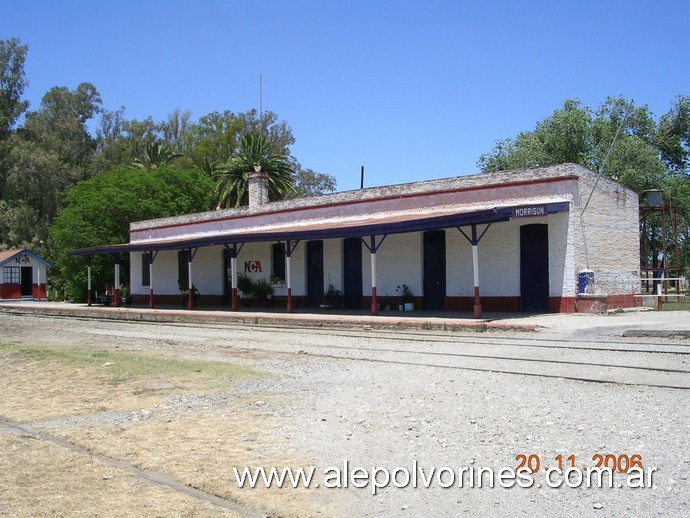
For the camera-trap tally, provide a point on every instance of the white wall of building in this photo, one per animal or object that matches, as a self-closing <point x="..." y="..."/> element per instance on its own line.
<point x="399" y="261"/>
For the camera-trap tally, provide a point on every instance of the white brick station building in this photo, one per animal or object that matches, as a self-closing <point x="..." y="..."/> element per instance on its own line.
<point x="504" y="241"/>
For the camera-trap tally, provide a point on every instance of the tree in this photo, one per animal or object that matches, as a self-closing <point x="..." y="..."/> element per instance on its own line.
<point x="155" y="156"/>
<point x="647" y="154"/>
<point x="216" y="136"/>
<point x="673" y="136"/>
<point x="231" y="175"/>
<point x="119" y="141"/>
<point x="98" y="212"/>
<point x="12" y="84"/>
<point x="52" y="151"/>
<point x="311" y="183"/>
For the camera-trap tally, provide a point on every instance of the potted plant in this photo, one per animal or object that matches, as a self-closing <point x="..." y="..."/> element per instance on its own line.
<point x="263" y="291"/>
<point x="246" y="287"/>
<point x="187" y="292"/>
<point x="125" y="296"/>
<point x="387" y="303"/>
<point x="333" y="298"/>
<point x="279" y="285"/>
<point x="406" y="297"/>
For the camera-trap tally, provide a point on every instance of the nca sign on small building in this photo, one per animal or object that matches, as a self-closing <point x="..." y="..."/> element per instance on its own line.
<point x="22" y="274"/>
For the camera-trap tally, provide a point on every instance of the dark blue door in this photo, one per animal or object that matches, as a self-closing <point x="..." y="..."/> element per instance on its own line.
<point x="434" y="269"/>
<point x="314" y="273"/>
<point x="534" y="267"/>
<point x="352" y="272"/>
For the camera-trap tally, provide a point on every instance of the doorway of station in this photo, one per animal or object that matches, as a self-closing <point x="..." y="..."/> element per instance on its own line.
<point x="352" y="273"/>
<point x="27" y="281"/>
<point x="314" y="273"/>
<point x="534" y="267"/>
<point x="434" y="269"/>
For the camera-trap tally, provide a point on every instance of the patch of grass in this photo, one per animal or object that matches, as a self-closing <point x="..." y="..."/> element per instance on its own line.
<point x="123" y="366"/>
<point x="675" y="306"/>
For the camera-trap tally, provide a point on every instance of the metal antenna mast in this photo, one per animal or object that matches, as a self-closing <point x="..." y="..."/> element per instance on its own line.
<point x="261" y="93"/>
<point x="606" y="159"/>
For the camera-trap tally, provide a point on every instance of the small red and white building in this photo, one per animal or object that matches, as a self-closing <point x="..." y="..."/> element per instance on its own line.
<point x="504" y="241"/>
<point x="22" y="275"/>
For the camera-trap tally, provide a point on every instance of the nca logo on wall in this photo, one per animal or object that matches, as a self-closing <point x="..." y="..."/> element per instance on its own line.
<point x="252" y="267"/>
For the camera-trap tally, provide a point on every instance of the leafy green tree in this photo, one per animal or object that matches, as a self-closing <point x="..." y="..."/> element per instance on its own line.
<point x="311" y="183"/>
<point x="119" y="141"/>
<point x="12" y="84"/>
<point x="98" y="212"/>
<point x="673" y="136"/>
<point x="255" y="150"/>
<point x="647" y="154"/>
<point x="52" y="151"/>
<point x="155" y="156"/>
<point x="216" y="136"/>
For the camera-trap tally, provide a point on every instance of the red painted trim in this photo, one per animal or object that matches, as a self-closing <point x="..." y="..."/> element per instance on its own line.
<point x="40" y="294"/>
<point x="374" y="303"/>
<point x="10" y="291"/>
<point x="356" y="202"/>
<point x="116" y="297"/>
<point x="235" y="300"/>
<point x="593" y="304"/>
<point x="289" y="300"/>
<point x="507" y="304"/>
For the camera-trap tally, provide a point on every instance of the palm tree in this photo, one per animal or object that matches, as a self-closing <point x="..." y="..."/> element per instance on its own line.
<point x="231" y="176"/>
<point x="155" y="155"/>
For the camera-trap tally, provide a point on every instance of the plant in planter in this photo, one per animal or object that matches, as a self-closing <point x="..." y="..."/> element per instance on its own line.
<point x="387" y="303"/>
<point x="263" y="290"/>
<point x="279" y="285"/>
<point x="406" y="297"/>
<point x="246" y="287"/>
<point x="333" y="299"/>
<point x="186" y="292"/>
<point x="124" y="295"/>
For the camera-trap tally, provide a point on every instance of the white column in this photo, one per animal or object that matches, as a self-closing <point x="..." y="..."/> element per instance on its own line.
<point x="233" y="272"/>
<point x="88" y="284"/>
<point x="288" y="279"/>
<point x="374" y="303"/>
<point x="190" y="301"/>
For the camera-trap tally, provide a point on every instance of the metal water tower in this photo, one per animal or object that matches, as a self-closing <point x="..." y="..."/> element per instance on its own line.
<point x="658" y="219"/>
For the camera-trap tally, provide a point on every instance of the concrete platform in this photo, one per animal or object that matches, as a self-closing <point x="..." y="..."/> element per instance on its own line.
<point x="426" y="320"/>
<point x="631" y="323"/>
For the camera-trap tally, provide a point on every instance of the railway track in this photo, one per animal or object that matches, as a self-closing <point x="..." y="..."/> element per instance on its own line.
<point x="612" y="360"/>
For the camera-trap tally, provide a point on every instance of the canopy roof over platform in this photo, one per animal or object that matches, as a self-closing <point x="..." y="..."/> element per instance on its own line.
<point x="360" y="225"/>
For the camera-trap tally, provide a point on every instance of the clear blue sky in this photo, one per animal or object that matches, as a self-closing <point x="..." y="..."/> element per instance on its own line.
<point x="411" y="90"/>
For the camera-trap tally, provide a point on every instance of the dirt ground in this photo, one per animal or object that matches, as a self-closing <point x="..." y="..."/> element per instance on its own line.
<point x="135" y="419"/>
<point x="186" y="426"/>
